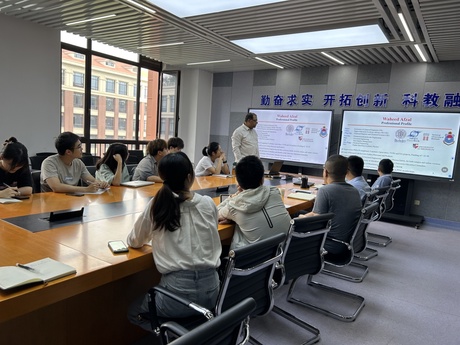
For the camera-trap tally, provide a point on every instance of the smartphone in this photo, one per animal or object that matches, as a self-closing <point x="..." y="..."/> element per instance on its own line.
<point x="118" y="247"/>
<point x="21" y="197"/>
<point x="224" y="197"/>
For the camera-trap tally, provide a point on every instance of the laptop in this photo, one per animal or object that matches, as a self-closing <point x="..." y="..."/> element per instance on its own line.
<point x="274" y="169"/>
<point x="137" y="183"/>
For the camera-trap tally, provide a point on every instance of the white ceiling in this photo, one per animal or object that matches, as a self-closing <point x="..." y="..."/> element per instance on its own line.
<point x="435" y="25"/>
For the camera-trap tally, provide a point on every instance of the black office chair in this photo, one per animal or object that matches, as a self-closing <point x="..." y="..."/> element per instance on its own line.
<point x="224" y="329"/>
<point x="135" y="156"/>
<point x="303" y="254"/>
<point x="88" y="159"/>
<point x="36" y="162"/>
<point x="248" y="273"/>
<point x="131" y="168"/>
<point x="36" y="187"/>
<point x="355" y="272"/>
<point x="387" y="204"/>
<point x="323" y="298"/>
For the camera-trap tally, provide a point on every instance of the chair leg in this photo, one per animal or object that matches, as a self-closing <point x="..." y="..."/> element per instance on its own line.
<point x="315" y="299"/>
<point x="378" y="240"/>
<point x="315" y="331"/>
<point x="366" y="254"/>
<point x="345" y="273"/>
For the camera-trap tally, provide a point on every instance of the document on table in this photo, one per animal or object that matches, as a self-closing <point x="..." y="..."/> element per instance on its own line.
<point x="9" y="201"/>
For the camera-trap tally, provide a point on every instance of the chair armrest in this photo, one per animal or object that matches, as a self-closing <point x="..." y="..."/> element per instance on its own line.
<point x="173" y="327"/>
<point x="339" y="241"/>
<point x="203" y="311"/>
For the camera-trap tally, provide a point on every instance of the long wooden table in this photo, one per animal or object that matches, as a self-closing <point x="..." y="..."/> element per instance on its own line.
<point x="90" y="306"/>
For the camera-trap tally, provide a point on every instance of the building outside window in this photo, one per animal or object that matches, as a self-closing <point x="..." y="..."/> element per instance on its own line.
<point x="122" y="124"/>
<point x="94" y="82"/>
<point x="123" y="88"/>
<point x="164" y="103"/>
<point x="109" y="121"/>
<point x="78" y="100"/>
<point x="122" y="106"/>
<point x="93" y="121"/>
<point x="110" y="85"/>
<point x="94" y="102"/>
<point x="78" y="120"/>
<point x="109" y="104"/>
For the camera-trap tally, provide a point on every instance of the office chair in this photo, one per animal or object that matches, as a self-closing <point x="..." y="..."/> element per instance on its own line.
<point x="303" y="254"/>
<point x="36" y="181"/>
<point x="359" y="245"/>
<point x="36" y="162"/>
<point x="248" y="273"/>
<point x="135" y="156"/>
<point x="323" y="298"/>
<point x="88" y="159"/>
<point x="224" y="329"/>
<point x="387" y="203"/>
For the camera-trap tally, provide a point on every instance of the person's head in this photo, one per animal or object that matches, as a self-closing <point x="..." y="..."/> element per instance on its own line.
<point x="14" y="157"/>
<point x="109" y="160"/>
<point x="175" y="144"/>
<point x="157" y="148"/>
<point x="10" y="140"/>
<point x="385" y="167"/>
<point x="177" y="174"/>
<point x="249" y="172"/>
<point x="355" y="166"/>
<point x="213" y="150"/>
<point x="335" y="169"/>
<point x="250" y="120"/>
<point x="68" y="143"/>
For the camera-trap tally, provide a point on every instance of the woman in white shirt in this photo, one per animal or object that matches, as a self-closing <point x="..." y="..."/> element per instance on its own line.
<point x="213" y="162"/>
<point x="112" y="168"/>
<point x="182" y="228"/>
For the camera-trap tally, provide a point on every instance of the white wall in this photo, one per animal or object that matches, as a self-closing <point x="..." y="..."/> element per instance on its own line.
<point x="29" y="83"/>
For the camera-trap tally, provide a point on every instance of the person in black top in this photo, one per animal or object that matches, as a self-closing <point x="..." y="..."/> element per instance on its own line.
<point x="15" y="177"/>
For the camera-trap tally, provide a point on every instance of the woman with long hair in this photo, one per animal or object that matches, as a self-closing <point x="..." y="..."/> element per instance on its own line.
<point x="213" y="162"/>
<point x="182" y="229"/>
<point x="15" y="177"/>
<point x="112" y="167"/>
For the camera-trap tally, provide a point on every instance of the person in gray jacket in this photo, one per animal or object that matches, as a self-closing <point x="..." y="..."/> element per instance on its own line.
<point x="257" y="210"/>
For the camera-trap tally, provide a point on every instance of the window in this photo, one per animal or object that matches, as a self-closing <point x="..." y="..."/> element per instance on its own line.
<point x="94" y="102"/>
<point x="94" y="82"/>
<point x="172" y="103"/>
<point x="110" y="63"/>
<point x="78" y="100"/>
<point x="93" y="121"/>
<point x="63" y="76"/>
<point x="168" y="113"/>
<point x="164" y="103"/>
<point x="79" y="56"/>
<point x="122" y="106"/>
<point x="78" y="79"/>
<point x="109" y="104"/>
<point x="121" y="125"/>
<point x="78" y="120"/>
<point x="109" y="122"/>
<point x="122" y="88"/>
<point x="110" y="85"/>
<point x="134" y="90"/>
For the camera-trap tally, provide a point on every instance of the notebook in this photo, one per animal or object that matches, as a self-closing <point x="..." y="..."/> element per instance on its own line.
<point x="137" y="183"/>
<point x="302" y="196"/>
<point x="274" y="169"/>
<point x="43" y="270"/>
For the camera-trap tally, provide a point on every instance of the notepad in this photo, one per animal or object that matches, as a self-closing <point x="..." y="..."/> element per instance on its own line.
<point x="302" y="196"/>
<point x="43" y="270"/>
<point x="137" y="183"/>
<point x="99" y="191"/>
<point x="9" y="201"/>
<point x="222" y="175"/>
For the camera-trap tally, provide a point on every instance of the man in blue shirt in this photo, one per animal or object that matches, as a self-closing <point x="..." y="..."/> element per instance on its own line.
<point x="355" y="176"/>
<point x="385" y="169"/>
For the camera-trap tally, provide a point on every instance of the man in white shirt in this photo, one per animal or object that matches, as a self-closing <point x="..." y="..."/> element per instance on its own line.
<point x="244" y="138"/>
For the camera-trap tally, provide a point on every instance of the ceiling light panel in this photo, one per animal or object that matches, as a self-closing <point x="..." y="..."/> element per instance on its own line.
<point x="335" y="38"/>
<point x="189" y="8"/>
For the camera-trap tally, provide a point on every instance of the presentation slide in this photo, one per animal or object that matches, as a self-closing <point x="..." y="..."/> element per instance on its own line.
<point x="418" y="143"/>
<point x="300" y="136"/>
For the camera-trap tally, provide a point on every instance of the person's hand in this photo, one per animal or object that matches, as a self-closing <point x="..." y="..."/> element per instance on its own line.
<point x="9" y="192"/>
<point x="222" y="156"/>
<point x="118" y="158"/>
<point x="92" y="187"/>
<point x="103" y="184"/>
<point x="224" y="221"/>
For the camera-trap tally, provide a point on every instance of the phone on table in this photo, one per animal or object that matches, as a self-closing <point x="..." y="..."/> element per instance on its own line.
<point x="21" y="197"/>
<point x="118" y="247"/>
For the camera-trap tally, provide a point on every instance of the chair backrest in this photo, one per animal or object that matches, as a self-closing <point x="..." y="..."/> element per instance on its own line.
<point x="249" y="273"/>
<point x="36" y="162"/>
<point x="36" y="181"/>
<point x="303" y="248"/>
<point x="135" y="156"/>
<point x="88" y="159"/>
<point x="389" y="200"/>
<point x="382" y="194"/>
<point x="224" y="329"/>
<point x="46" y="154"/>
<point x="131" y="168"/>
<point x="360" y="239"/>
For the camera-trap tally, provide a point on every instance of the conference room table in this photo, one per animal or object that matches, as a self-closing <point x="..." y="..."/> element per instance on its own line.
<point x="89" y="306"/>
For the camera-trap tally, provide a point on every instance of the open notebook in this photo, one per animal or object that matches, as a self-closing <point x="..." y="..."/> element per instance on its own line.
<point x="43" y="270"/>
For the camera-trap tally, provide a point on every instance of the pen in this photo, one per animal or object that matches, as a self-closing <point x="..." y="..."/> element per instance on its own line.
<point x="26" y="267"/>
<point x="7" y="186"/>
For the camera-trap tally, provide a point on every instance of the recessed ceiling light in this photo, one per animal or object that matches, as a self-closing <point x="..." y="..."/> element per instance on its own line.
<point x="206" y="62"/>
<point x="406" y="28"/>
<point x="187" y="8"/>
<point x="161" y="45"/>
<point x="333" y="58"/>
<point x="91" y="19"/>
<point x="419" y="51"/>
<point x="334" y="38"/>
<point x="270" y="63"/>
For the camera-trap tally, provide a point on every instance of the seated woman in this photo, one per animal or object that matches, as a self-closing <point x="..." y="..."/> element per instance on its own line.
<point x="182" y="228"/>
<point x="112" y="168"/>
<point x="15" y="177"/>
<point x="213" y="162"/>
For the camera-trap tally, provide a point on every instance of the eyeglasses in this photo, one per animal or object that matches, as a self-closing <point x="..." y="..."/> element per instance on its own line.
<point x="78" y="147"/>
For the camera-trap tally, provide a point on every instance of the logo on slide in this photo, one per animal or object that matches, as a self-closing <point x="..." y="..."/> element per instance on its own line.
<point x="415" y="146"/>
<point x="323" y="132"/>
<point x="400" y="134"/>
<point x="298" y="130"/>
<point x="449" y="139"/>
<point x="290" y="128"/>
<point x="414" y="134"/>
